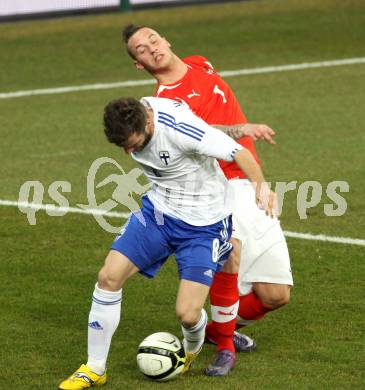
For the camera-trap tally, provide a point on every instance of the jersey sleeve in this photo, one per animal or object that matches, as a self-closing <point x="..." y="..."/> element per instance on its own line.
<point x="193" y="135"/>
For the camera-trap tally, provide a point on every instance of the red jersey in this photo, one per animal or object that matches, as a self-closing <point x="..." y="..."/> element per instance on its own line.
<point x="210" y="98"/>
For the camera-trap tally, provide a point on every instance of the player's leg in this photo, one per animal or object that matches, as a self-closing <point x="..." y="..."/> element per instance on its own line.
<point x="263" y="298"/>
<point x="272" y="295"/>
<point x="265" y="264"/>
<point x="189" y="310"/>
<point x="103" y="321"/>
<point x="224" y="299"/>
<point x="265" y="285"/>
<point x="251" y="309"/>
<point x="224" y="305"/>
<point x="106" y="307"/>
<point x="127" y="257"/>
<point x="224" y="294"/>
<point x="201" y="252"/>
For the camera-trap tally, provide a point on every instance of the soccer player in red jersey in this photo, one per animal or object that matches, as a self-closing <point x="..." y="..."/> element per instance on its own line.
<point x="257" y="278"/>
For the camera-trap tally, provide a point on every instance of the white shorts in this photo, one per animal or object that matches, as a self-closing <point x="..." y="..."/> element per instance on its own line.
<point x="264" y="254"/>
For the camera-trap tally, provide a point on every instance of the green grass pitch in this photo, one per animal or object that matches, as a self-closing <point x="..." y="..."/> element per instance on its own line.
<point x="48" y="270"/>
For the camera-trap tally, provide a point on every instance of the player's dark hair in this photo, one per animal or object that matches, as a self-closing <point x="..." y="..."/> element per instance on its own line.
<point x="122" y="118"/>
<point x="128" y="32"/>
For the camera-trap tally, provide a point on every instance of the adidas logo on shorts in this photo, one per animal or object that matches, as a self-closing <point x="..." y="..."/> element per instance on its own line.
<point x="209" y="273"/>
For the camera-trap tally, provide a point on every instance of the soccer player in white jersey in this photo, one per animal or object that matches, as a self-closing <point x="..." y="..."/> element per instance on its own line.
<point x="184" y="213"/>
<point x="243" y="291"/>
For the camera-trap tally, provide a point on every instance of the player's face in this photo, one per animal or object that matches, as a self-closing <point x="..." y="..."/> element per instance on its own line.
<point x="150" y="50"/>
<point x="137" y="142"/>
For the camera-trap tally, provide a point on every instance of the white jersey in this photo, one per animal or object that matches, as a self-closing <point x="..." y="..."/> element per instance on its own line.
<point x="180" y="162"/>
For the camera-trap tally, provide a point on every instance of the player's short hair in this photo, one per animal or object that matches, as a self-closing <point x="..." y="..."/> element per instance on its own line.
<point x="127" y="33"/>
<point x="122" y="118"/>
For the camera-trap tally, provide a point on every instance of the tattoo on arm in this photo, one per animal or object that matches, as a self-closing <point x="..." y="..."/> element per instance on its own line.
<point x="233" y="131"/>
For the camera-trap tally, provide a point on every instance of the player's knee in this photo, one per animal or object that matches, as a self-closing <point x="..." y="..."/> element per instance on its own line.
<point x="107" y="280"/>
<point x="277" y="298"/>
<point x="272" y="295"/>
<point x="188" y="316"/>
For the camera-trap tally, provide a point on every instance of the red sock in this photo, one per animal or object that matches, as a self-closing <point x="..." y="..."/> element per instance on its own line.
<point x="224" y="304"/>
<point x="251" y="308"/>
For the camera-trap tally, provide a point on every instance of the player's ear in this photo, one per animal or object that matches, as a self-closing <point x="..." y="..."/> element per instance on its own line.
<point x="138" y="65"/>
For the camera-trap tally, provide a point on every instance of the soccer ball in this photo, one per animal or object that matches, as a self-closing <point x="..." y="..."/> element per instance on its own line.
<point x="161" y="356"/>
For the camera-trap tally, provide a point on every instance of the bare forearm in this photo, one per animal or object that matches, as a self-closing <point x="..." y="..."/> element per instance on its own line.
<point x="253" y="130"/>
<point x="249" y="166"/>
<point x="233" y="131"/>
<point x="265" y="198"/>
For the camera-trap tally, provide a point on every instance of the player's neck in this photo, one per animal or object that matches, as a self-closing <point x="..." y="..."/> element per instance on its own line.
<point x="173" y="73"/>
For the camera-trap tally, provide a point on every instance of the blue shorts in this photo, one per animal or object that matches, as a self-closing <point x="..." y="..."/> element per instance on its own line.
<point x="200" y="251"/>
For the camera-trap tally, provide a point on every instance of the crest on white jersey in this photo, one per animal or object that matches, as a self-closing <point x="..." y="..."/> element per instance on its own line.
<point x="164" y="156"/>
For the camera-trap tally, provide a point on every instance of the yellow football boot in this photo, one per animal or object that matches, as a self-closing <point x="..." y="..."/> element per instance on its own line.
<point x="83" y="378"/>
<point x="189" y="359"/>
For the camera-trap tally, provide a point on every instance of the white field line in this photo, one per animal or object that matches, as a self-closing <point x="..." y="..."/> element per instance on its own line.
<point x="64" y="210"/>
<point x="227" y="73"/>
<point x="322" y="237"/>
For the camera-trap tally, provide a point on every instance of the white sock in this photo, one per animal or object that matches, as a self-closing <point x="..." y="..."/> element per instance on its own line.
<point x="103" y="321"/>
<point x="194" y="337"/>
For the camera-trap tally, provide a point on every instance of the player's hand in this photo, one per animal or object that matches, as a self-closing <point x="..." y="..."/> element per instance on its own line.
<point x="267" y="200"/>
<point x="259" y="132"/>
